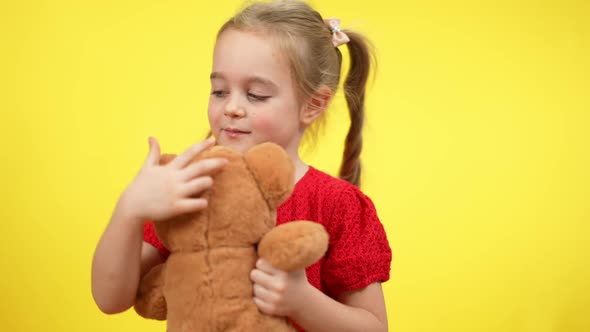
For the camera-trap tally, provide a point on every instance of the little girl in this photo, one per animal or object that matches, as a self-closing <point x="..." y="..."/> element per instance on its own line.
<point x="276" y="67"/>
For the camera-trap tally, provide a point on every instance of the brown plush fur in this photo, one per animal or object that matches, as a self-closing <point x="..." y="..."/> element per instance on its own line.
<point x="205" y="285"/>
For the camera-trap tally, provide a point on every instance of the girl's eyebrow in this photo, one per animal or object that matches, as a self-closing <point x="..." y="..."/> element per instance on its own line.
<point x="251" y="79"/>
<point x="216" y="75"/>
<point x="263" y="81"/>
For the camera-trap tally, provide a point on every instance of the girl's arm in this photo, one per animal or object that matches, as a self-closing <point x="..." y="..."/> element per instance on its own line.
<point x="360" y="310"/>
<point x="121" y="257"/>
<point x="289" y="294"/>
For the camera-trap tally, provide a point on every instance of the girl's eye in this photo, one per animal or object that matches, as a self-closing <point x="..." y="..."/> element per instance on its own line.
<point x="257" y="97"/>
<point x="218" y="93"/>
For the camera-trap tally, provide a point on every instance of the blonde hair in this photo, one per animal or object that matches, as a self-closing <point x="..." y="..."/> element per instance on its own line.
<point x="301" y="34"/>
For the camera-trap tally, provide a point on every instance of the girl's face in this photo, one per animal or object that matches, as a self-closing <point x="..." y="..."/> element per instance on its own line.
<point x="253" y="98"/>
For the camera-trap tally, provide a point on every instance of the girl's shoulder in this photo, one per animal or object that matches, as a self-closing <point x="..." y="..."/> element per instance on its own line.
<point x="330" y="195"/>
<point x="315" y="180"/>
<point x="327" y="186"/>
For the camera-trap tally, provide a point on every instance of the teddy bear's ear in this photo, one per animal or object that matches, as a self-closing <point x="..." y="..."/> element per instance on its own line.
<point x="273" y="170"/>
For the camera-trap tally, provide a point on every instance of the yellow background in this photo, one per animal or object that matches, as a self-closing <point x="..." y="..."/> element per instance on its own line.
<point x="477" y="150"/>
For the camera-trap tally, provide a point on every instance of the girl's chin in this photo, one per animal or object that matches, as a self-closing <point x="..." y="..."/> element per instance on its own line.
<point x="238" y="146"/>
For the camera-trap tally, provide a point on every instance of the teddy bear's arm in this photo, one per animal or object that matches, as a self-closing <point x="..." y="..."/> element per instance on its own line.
<point x="150" y="301"/>
<point x="294" y="245"/>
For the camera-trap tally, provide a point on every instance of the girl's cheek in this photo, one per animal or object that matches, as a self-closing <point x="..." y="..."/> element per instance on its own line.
<point x="213" y="118"/>
<point x="261" y="122"/>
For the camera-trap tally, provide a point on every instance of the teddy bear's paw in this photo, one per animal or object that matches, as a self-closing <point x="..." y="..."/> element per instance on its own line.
<point x="150" y="301"/>
<point x="294" y="245"/>
<point x="154" y="308"/>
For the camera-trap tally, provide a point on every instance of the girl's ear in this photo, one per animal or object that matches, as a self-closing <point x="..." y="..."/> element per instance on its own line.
<point x="316" y="105"/>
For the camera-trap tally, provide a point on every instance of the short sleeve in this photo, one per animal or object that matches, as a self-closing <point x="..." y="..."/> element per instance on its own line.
<point x="149" y="236"/>
<point x="359" y="253"/>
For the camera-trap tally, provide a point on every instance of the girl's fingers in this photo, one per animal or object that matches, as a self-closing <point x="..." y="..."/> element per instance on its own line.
<point x="190" y="153"/>
<point x="264" y="294"/>
<point x="275" y="283"/>
<point x="264" y="307"/>
<point x="153" y="157"/>
<point x="188" y="205"/>
<point x="263" y="265"/>
<point x="202" y="167"/>
<point x="259" y="277"/>
<point x="196" y="186"/>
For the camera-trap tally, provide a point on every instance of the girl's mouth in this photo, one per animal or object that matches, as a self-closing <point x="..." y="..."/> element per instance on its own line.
<point x="234" y="133"/>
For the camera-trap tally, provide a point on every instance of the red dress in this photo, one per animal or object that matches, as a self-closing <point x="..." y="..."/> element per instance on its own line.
<point x="358" y="252"/>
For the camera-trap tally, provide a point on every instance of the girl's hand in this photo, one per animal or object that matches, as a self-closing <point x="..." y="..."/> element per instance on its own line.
<point x="159" y="192"/>
<point x="277" y="292"/>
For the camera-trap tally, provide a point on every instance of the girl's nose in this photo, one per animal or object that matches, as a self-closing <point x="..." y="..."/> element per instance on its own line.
<point x="233" y="110"/>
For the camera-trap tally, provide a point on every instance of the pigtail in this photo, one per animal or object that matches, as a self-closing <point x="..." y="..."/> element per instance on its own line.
<point x="354" y="93"/>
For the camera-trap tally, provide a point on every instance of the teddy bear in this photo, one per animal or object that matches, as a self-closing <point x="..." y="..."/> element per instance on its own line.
<point x="204" y="285"/>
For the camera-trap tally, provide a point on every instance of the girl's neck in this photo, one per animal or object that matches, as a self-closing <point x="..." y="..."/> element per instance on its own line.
<point x="300" y="168"/>
<point x="293" y="152"/>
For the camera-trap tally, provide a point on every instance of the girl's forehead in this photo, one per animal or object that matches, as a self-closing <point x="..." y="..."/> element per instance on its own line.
<point x="233" y="40"/>
<point x="245" y="52"/>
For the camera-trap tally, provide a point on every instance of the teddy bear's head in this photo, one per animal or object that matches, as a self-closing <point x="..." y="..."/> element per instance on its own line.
<point x="241" y="203"/>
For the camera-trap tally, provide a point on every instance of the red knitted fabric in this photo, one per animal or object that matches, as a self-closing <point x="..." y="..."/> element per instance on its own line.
<point x="358" y="253"/>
